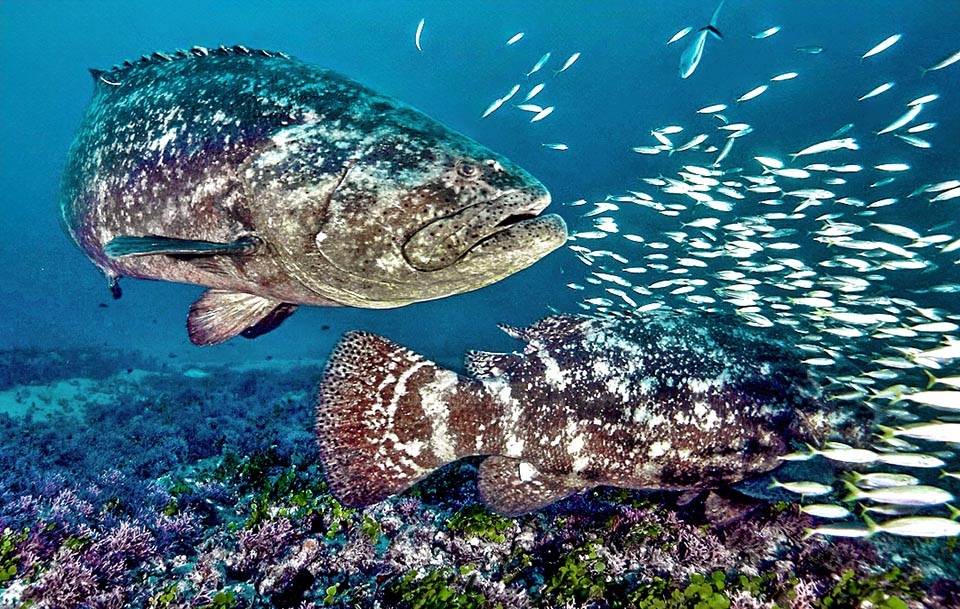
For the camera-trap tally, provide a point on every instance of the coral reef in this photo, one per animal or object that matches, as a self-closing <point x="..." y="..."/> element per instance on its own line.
<point x="203" y="491"/>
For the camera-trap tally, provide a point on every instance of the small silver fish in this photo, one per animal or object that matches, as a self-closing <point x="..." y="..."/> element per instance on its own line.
<point x="539" y="116"/>
<point x="949" y="60"/>
<point x="917" y="526"/>
<point x="770" y="31"/>
<point x="877" y="91"/>
<point x="711" y="109"/>
<point x="690" y="58"/>
<point x="804" y="487"/>
<point x="825" y="510"/>
<point x="905" y="118"/>
<point x="883" y="46"/>
<point x="752" y="93"/>
<point x="919" y="495"/>
<point x="514" y="39"/>
<point x="924" y="99"/>
<point x="913" y="140"/>
<point x="840" y="530"/>
<point x="784" y="76"/>
<point x="534" y="91"/>
<point x="679" y="35"/>
<point x="540" y="63"/>
<point x="569" y="62"/>
<point x="416" y="38"/>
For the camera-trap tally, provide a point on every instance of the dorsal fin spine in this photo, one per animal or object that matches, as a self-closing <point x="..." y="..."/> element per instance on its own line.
<point x="197" y="51"/>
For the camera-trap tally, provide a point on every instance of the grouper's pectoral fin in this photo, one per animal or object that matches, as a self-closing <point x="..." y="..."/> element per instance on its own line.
<point x="220" y="314"/>
<point x="512" y="486"/>
<point x="150" y="245"/>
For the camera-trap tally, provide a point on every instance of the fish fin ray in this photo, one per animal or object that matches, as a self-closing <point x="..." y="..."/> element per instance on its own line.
<point x="375" y="438"/>
<point x="271" y="322"/>
<point x="551" y="328"/>
<point x="219" y="315"/>
<point x="128" y="245"/>
<point x="486" y="364"/>
<point x="192" y="55"/>
<point x="505" y="491"/>
<point x="512" y="331"/>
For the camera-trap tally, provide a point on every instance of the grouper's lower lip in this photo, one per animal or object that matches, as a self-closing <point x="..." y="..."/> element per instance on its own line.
<point x="516" y="246"/>
<point x="443" y="242"/>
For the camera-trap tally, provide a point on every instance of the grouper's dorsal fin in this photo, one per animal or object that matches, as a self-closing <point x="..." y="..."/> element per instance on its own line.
<point x="512" y="486"/>
<point x="549" y="329"/>
<point x="485" y="364"/>
<point x="114" y="75"/>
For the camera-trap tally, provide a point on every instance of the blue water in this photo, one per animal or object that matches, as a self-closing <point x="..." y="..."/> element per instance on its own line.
<point x="625" y="84"/>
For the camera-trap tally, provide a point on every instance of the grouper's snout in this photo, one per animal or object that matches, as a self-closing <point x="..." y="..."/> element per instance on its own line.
<point x="443" y="242"/>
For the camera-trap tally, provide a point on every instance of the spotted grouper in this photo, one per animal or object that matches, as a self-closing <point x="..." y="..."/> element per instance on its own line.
<point x="665" y="401"/>
<point x="276" y="183"/>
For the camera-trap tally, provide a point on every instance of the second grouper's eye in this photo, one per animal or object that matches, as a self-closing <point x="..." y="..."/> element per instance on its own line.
<point x="467" y="170"/>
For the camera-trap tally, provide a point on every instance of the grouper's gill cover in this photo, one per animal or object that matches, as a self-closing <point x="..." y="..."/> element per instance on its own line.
<point x="277" y="183"/>
<point x="658" y="401"/>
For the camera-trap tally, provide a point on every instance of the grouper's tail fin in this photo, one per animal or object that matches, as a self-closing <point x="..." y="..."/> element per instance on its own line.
<point x="387" y="417"/>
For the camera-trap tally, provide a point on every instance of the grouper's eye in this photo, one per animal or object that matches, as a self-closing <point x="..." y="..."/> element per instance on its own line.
<point x="467" y="170"/>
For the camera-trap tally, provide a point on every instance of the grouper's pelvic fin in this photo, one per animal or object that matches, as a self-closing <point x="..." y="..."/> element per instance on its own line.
<point x="153" y="245"/>
<point x="387" y="417"/>
<point x="221" y="314"/>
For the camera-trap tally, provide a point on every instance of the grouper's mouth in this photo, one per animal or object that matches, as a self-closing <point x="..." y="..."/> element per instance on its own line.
<point x="509" y="228"/>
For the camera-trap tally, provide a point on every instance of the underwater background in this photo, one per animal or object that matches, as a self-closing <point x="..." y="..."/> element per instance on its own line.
<point x="140" y="470"/>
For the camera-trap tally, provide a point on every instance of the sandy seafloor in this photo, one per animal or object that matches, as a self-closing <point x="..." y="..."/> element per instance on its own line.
<point x="139" y="470"/>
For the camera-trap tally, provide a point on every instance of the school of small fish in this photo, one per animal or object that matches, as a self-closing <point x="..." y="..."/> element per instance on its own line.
<point x="791" y="242"/>
<point x="804" y="242"/>
<point x="538" y="112"/>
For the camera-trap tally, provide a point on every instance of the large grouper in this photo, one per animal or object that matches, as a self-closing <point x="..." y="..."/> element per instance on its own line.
<point x="276" y="183"/>
<point x="669" y="401"/>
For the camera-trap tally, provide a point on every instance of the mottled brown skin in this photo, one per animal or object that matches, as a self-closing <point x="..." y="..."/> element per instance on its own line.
<point x="661" y="401"/>
<point x="344" y="196"/>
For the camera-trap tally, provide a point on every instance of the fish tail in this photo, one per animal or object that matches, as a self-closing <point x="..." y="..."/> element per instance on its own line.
<point x="713" y="30"/>
<point x="855" y="493"/>
<point x="887" y="432"/>
<point x="387" y="417"/>
<point x="954" y="512"/>
<point x="851" y="476"/>
<point x="932" y="380"/>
